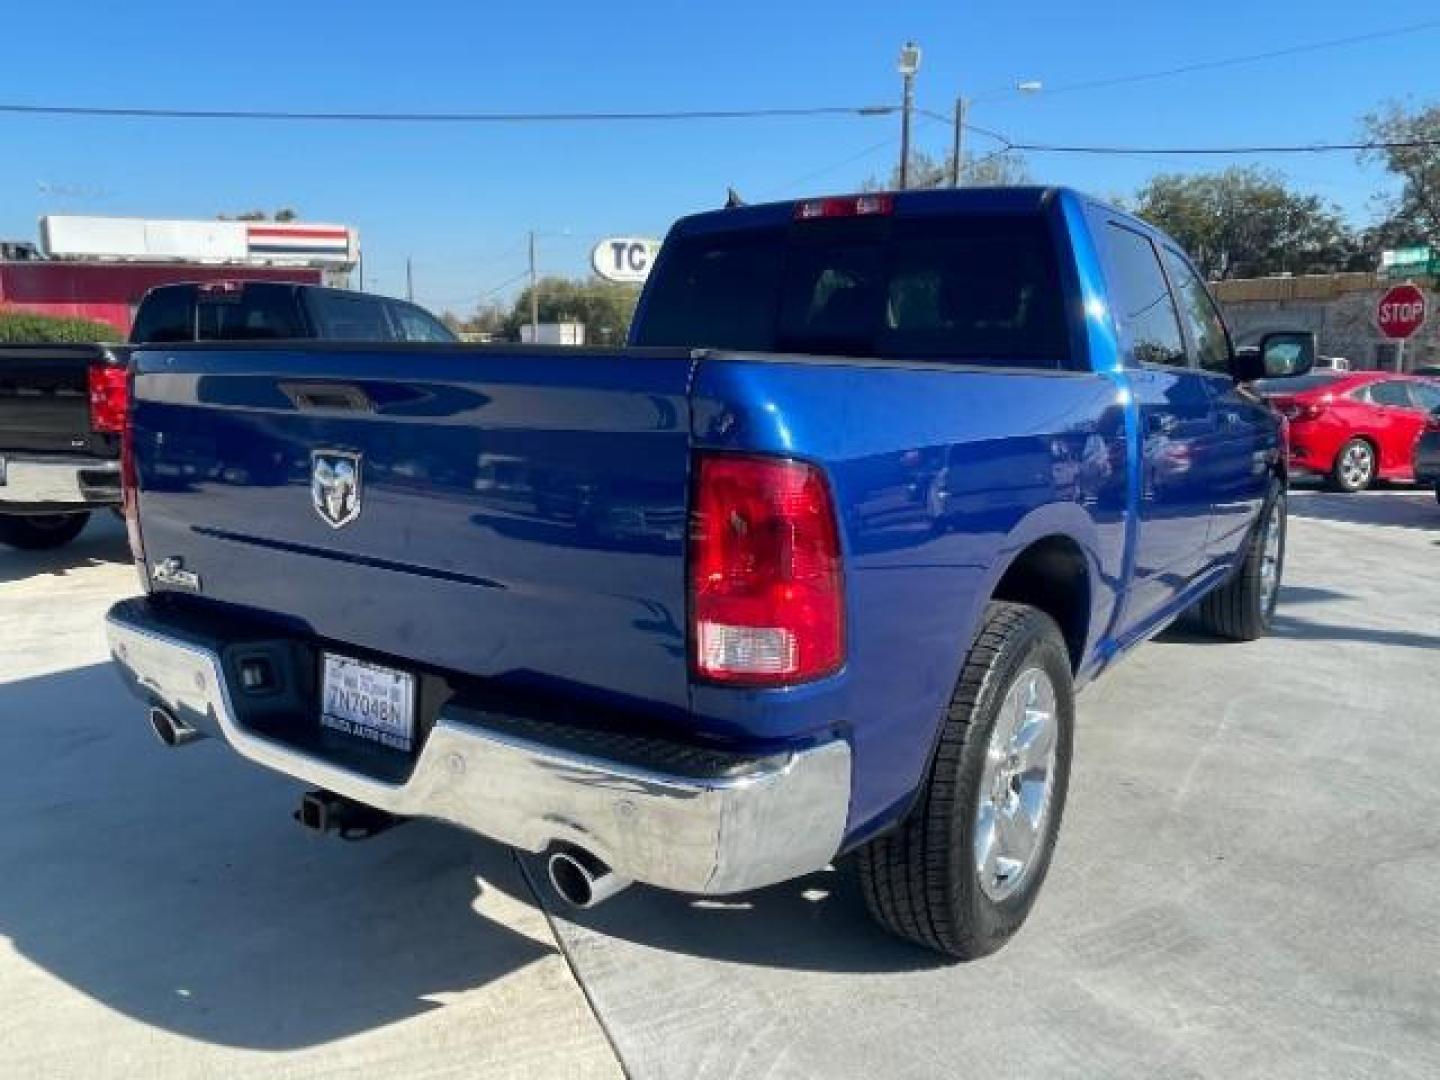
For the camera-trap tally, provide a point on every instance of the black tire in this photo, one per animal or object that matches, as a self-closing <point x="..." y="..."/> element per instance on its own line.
<point x="920" y="880"/>
<point x="1355" y="466"/>
<point x="1244" y="607"/>
<point x="41" y="531"/>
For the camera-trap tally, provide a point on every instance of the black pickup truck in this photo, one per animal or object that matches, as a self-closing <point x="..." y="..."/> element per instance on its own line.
<point x="62" y="407"/>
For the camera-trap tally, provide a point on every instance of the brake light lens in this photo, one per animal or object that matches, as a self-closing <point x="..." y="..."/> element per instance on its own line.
<point x="845" y="206"/>
<point x="767" y="598"/>
<point x="109" y="398"/>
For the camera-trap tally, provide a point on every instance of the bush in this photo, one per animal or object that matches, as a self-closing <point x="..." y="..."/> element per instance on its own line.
<point x="24" y="327"/>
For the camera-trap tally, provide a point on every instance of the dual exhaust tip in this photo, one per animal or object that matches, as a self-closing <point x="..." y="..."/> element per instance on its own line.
<point x="579" y="878"/>
<point x="170" y="729"/>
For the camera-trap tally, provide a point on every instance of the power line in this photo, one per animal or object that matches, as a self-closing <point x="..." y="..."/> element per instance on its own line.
<point x="1306" y="148"/>
<point x="444" y="118"/>
<point x="1224" y="62"/>
<point x="504" y="284"/>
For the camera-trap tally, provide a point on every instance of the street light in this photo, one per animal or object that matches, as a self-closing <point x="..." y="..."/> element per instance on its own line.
<point x="908" y="66"/>
<point x="962" y="110"/>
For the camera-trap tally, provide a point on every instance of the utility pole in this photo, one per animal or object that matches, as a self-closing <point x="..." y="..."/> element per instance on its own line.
<point x="409" y="281"/>
<point x="962" y="117"/>
<point x="962" y="109"/>
<point x="909" y="65"/>
<point x="534" y="295"/>
<point x="360" y="266"/>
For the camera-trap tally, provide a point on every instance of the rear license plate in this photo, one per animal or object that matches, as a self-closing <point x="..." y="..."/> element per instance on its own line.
<point x="368" y="701"/>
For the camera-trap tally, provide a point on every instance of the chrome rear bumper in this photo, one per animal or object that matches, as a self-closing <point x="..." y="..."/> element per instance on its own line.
<point x="710" y="835"/>
<point x="61" y="481"/>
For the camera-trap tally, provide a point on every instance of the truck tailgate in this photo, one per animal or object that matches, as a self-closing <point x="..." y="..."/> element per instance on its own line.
<point x="517" y="513"/>
<point x="44" y="399"/>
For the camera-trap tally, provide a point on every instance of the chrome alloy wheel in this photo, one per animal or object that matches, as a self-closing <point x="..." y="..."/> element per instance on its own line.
<point x="1017" y="785"/>
<point x="1270" y="555"/>
<point x="1357" y="465"/>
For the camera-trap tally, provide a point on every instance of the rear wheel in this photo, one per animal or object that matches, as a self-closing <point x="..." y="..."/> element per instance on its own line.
<point x="1354" y="468"/>
<point x="960" y="874"/>
<point x="1244" y="607"/>
<point x="39" y="531"/>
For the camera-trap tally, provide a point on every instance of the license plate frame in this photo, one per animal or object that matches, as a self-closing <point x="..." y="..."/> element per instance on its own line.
<point x="369" y="702"/>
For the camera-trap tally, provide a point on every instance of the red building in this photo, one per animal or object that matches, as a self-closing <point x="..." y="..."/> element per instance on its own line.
<point x="100" y="267"/>
<point x="109" y="291"/>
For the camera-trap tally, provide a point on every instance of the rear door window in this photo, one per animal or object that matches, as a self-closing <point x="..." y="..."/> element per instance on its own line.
<point x="1392" y="393"/>
<point x="416" y="324"/>
<point x="1144" y="310"/>
<point x="350" y="317"/>
<point x="972" y="288"/>
<point x="1426" y="395"/>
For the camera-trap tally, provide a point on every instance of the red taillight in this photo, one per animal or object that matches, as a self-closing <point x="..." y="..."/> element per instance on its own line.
<point x="109" y="398"/>
<point x="844" y="206"/>
<point x="1300" y="410"/>
<point x="767" y="602"/>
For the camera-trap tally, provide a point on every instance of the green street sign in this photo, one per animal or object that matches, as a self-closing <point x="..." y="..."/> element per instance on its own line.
<point x="1409" y="262"/>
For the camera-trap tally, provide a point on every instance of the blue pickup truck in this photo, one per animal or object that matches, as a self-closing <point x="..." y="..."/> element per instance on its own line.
<point x="812" y="568"/>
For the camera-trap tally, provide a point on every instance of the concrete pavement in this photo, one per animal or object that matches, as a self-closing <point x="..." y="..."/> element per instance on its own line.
<point x="1247" y="884"/>
<point x="162" y="916"/>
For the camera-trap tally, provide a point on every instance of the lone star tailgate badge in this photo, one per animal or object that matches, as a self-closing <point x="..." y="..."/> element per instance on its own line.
<point x="335" y="486"/>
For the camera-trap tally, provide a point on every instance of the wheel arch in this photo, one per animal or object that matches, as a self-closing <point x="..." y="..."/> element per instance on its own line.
<point x="1053" y="575"/>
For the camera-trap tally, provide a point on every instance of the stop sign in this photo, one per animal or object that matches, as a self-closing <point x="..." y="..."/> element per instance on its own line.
<point x="1401" y="312"/>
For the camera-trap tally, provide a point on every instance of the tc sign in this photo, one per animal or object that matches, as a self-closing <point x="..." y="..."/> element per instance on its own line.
<point x="624" y="259"/>
<point x="1401" y="312"/>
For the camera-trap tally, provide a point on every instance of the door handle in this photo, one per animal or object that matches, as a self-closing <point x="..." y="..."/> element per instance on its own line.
<point x="327" y="397"/>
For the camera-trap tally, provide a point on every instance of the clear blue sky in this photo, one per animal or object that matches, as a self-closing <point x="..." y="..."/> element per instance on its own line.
<point x="458" y="199"/>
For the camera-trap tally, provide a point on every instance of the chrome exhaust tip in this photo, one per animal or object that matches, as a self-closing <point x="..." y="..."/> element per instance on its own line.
<point x="169" y="729"/>
<point x="582" y="880"/>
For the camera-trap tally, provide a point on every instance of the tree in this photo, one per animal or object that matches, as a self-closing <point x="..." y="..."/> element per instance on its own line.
<point x="603" y="306"/>
<point x="1246" y="222"/>
<point x="489" y="317"/>
<point x="1412" y="216"/>
<point x="285" y="213"/>
<point x="983" y="170"/>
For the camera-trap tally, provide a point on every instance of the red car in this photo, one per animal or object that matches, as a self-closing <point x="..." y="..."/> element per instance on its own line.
<point x="1354" y="427"/>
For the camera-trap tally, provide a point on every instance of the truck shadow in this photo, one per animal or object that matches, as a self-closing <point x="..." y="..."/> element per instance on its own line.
<point x="173" y="887"/>
<point x="180" y="893"/>
<point x="103" y="541"/>
<point x="815" y="923"/>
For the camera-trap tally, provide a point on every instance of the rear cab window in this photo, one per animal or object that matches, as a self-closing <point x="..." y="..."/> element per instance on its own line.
<point x="968" y="287"/>
<point x="247" y="313"/>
